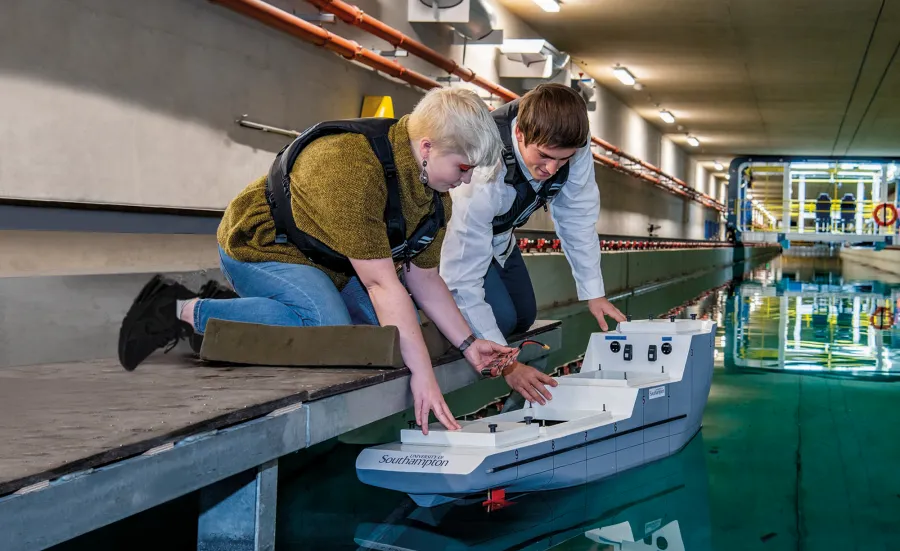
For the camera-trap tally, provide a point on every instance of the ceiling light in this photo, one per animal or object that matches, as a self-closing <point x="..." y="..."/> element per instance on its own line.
<point x="718" y="165"/>
<point x="624" y="76"/>
<point x="548" y="5"/>
<point x="667" y="116"/>
<point x="693" y="141"/>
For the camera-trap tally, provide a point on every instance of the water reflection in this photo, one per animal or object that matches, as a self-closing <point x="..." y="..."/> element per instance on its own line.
<point x="808" y="315"/>
<point x="663" y="505"/>
<point x="660" y="506"/>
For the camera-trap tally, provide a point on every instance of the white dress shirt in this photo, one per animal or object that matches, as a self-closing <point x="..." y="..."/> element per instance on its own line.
<point x="470" y="245"/>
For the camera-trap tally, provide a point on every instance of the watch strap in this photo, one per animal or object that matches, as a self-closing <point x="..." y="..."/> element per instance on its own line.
<point x="467" y="343"/>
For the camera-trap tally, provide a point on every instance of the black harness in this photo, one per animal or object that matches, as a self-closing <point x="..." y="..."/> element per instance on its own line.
<point x="527" y="199"/>
<point x="278" y="195"/>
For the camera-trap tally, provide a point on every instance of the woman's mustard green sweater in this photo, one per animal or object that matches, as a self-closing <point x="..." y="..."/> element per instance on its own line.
<point x="338" y="193"/>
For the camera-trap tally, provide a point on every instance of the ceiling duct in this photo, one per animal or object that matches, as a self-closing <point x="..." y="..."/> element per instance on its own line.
<point x="482" y="21"/>
<point x="473" y="20"/>
<point x="531" y="58"/>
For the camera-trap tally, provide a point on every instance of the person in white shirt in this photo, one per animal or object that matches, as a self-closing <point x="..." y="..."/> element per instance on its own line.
<point x="547" y="161"/>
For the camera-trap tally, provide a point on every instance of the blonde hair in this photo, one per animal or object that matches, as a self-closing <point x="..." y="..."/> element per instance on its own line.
<point x="456" y="120"/>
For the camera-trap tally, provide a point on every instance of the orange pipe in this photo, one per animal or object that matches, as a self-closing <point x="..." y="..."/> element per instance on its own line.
<point x="293" y="25"/>
<point x="352" y="15"/>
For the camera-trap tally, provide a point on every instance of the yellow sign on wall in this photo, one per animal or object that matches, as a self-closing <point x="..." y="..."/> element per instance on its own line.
<point x="378" y="106"/>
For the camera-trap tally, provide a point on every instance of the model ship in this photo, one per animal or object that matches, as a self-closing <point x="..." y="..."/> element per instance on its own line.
<point x="639" y="397"/>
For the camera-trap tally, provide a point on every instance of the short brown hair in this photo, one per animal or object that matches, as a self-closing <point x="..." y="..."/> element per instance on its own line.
<point x="553" y="115"/>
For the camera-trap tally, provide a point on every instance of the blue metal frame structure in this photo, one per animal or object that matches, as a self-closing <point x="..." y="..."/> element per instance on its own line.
<point x="735" y="169"/>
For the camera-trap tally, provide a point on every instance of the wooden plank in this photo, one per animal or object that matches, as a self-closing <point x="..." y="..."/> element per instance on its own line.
<point x="57" y="419"/>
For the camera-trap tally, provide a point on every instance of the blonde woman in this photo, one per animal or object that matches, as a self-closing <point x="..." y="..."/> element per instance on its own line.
<point x="347" y="224"/>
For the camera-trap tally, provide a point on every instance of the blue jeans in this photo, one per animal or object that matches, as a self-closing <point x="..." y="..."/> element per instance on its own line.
<point x="278" y="293"/>
<point x="509" y="292"/>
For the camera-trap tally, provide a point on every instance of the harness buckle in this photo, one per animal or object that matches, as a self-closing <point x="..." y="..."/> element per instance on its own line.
<point x="280" y="238"/>
<point x="390" y="169"/>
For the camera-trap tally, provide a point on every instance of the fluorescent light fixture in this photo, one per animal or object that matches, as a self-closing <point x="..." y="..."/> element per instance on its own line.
<point x="693" y="141"/>
<point x="811" y="166"/>
<point x="624" y="76"/>
<point x="548" y="5"/>
<point x="667" y="116"/>
<point x="718" y="165"/>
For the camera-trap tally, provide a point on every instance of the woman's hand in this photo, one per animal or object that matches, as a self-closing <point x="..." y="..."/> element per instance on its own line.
<point x="427" y="397"/>
<point x="529" y="382"/>
<point x="483" y="353"/>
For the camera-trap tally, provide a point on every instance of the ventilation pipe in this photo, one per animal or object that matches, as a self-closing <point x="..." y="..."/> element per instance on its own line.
<point x="481" y="23"/>
<point x="352" y="15"/>
<point x="293" y="25"/>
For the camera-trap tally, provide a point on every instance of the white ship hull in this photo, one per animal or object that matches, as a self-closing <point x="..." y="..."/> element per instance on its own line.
<point x="639" y="397"/>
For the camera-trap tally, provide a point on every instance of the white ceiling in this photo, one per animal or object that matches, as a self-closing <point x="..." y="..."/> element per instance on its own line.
<point x="745" y="76"/>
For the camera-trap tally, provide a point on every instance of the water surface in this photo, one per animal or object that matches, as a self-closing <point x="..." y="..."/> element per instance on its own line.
<point x="797" y="451"/>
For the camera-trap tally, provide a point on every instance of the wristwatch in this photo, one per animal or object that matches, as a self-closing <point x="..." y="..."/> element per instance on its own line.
<point x="467" y="343"/>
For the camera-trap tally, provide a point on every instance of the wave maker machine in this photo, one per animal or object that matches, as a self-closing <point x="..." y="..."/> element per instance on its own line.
<point x="639" y="397"/>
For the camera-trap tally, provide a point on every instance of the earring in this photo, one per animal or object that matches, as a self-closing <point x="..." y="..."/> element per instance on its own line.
<point x="423" y="176"/>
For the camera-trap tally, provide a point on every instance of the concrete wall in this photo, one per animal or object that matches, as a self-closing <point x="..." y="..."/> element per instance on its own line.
<point x="628" y="205"/>
<point x="50" y="253"/>
<point x="135" y="102"/>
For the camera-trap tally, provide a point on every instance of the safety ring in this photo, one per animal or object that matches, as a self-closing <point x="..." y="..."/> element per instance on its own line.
<point x="881" y="318"/>
<point x="891" y="214"/>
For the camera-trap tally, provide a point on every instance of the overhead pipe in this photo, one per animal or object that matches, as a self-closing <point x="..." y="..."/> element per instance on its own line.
<point x="293" y="25"/>
<point x="702" y="197"/>
<point x="352" y="15"/>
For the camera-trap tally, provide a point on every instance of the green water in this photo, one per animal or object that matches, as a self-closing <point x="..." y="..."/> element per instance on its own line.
<point x="797" y="451"/>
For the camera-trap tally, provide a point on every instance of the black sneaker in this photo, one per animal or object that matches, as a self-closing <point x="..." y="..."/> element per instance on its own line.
<point x="152" y="322"/>
<point x="211" y="289"/>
